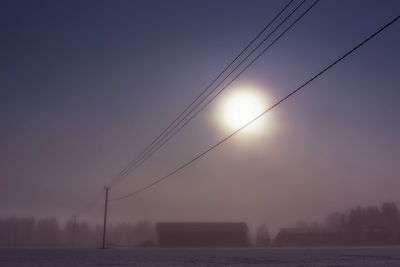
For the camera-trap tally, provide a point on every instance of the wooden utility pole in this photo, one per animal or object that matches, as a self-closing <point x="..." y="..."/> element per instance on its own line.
<point x="105" y="218"/>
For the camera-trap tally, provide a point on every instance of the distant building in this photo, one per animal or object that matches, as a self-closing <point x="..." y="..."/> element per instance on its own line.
<point x="308" y="237"/>
<point x="196" y="234"/>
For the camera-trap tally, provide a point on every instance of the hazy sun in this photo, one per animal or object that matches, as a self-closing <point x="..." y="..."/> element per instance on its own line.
<point x="241" y="108"/>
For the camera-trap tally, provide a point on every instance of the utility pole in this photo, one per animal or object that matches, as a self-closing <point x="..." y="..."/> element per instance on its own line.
<point x="105" y="217"/>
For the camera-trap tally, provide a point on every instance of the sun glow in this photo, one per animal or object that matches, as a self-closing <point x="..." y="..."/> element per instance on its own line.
<point x="241" y="107"/>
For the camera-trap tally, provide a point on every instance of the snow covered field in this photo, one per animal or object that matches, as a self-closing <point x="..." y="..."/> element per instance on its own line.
<point x="18" y="257"/>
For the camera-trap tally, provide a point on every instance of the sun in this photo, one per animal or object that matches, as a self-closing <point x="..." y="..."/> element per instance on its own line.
<point x="241" y="108"/>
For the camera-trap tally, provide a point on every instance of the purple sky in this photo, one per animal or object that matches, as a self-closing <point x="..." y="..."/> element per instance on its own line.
<point x="86" y="85"/>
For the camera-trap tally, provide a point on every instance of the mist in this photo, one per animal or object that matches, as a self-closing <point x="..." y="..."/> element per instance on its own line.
<point x="85" y="90"/>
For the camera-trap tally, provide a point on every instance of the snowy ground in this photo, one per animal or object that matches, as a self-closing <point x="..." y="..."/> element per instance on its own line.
<point x="18" y="257"/>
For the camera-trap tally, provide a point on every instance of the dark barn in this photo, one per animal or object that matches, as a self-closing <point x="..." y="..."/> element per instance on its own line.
<point x="202" y="234"/>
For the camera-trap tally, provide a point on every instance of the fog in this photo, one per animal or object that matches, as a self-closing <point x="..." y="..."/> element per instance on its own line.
<point x="86" y="87"/>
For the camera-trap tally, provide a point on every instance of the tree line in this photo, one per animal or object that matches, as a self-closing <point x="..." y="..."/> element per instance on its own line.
<point x="370" y="225"/>
<point x="360" y="226"/>
<point x="47" y="232"/>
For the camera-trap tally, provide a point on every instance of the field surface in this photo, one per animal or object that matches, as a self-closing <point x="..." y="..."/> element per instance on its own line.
<point x="18" y="257"/>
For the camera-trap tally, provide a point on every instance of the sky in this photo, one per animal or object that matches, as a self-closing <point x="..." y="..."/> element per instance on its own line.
<point x="85" y="86"/>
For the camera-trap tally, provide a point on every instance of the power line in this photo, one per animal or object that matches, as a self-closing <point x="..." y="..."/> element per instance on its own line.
<point x="161" y="144"/>
<point x="157" y="144"/>
<point x="149" y="147"/>
<point x="139" y="159"/>
<point x="259" y="116"/>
